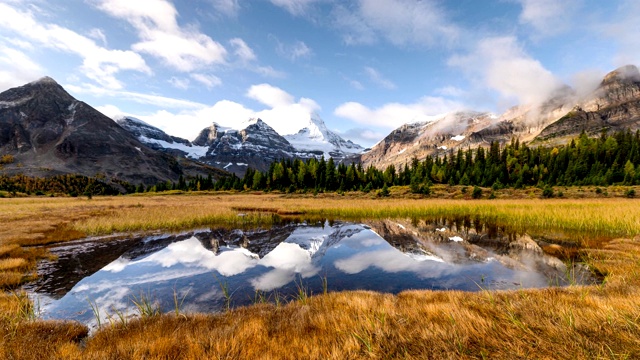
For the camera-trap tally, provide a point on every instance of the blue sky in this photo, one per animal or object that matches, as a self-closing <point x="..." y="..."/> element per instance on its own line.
<point x="365" y="66"/>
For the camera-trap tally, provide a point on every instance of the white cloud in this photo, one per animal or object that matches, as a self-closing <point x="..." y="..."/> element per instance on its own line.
<point x="183" y="48"/>
<point x="623" y="29"/>
<point x="500" y="64"/>
<point x="377" y="78"/>
<point x="450" y="91"/>
<point x="355" y="84"/>
<point x="247" y="59"/>
<point x="208" y="80"/>
<point x="109" y="110"/>
<point x="150" y="99"/>
<point x="270" y="95"/>
<point x="548" y="17"/>
<point x="363" y="136"/>
<point x="283" y="112"/>
<point x="227" y="7"/>
<point x="242" y="50"/>
<point x="394" y="115"/>
<point x="295" y="7"/>
<point x="401" y="22"/>
<point x="99" y="64"/>
<point x="179" y="83"/>
<point x="16" y="68"/>
<point x="98" y="34"/>
<point x="295" y="51"/>
<point x="268" y="71"/>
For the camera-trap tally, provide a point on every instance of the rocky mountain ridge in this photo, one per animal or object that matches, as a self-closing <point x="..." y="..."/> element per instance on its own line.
<point x="613" y="106"/>
<point x="252" y="144"/>
<point x="48" y="132"/>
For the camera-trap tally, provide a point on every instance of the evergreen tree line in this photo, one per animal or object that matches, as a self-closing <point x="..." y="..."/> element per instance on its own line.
<point x="604" y="160"/>
<point x="70" y="184"/>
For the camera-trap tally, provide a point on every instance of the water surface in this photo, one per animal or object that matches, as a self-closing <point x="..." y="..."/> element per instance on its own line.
<point x="208" y="270"/>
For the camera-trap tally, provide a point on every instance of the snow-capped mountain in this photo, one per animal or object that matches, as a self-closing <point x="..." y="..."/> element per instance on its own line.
<point x="49" y="132"/>
<point x="252" y="143"/>
<point x="257" y="145"/>
<point x="316" y="138"/>
<point x="159" y="140"/>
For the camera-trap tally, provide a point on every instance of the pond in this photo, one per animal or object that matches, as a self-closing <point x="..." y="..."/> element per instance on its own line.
<point x="211" y="269"/>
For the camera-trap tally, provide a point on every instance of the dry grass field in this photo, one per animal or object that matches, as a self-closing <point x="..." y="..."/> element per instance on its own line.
<point x="600" y="321"/>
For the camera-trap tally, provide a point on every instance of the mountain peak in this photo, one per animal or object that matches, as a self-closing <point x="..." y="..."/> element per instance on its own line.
<point x="45" y="80"/>
<point x="627" y="72"/>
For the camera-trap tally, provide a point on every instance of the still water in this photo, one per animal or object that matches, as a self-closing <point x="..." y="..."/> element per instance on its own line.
<point x="208" y="270"/>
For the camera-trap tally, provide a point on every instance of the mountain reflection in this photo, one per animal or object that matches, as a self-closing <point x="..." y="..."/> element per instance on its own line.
<point x="385" y="255"/>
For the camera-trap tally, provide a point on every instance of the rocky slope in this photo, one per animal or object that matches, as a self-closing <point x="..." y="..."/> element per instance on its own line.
<point x="158" y="139"/>
<point x="256" y="145"/>
<point x="613" y="106"/>
<point x="48" y="132"/>
<point x="252" y="144"/>
<point x="422" y="139"/>
<point x="315" y="138"/>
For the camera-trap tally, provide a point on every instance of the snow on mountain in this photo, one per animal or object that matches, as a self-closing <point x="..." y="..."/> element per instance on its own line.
<point x="257" y="145"/>
<point x="315" y="137"/>
<point x="251" y="143"/>
<point x="159" y="140"/>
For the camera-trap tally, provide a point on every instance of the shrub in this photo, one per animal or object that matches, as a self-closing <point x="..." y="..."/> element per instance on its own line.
<point x="547" y="192"/>
<point x="7" y="159"/>
<point x="630" y="193"/>
<point x="477" y="192"/>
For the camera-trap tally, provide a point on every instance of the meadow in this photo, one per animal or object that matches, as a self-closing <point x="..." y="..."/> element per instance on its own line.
<point x="599" y="321"/>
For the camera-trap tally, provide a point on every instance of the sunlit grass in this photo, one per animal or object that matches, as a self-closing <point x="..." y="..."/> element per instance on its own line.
<point x="599" y="321"/>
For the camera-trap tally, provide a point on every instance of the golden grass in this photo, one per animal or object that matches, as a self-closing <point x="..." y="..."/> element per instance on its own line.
<point x="578" y="322"/>
<point x="600" y="321"/>
<point x="13" y="263"/>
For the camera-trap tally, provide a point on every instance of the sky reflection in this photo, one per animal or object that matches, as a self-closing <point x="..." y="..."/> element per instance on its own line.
<point x="380" y="256"/>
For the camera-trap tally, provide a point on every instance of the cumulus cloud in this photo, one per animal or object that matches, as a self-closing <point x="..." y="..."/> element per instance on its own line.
<point x="393" y="115"/>
<point x="282" y="111"/>
<point x="17" y="68"/>
<point x="99" y="64"/>
<point x="110" y="110"/>
<point x="548" y="17"/>
<point x="500" y="64"/>
<point x="183" y="48"/>
<point x="400" y="22"/>
<point x="378" y="79"/>
<point x="270" y="95"/>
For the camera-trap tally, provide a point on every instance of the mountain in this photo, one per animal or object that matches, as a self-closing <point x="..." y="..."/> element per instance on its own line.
<point x="421" y="139"/>
<point x="48" y="132"/>
<point x="159" y="140"/>
<point x="256" y="144"/>
<point x="252" y="143"/>
<point x="317" y="139"/>
<point x="613" y="106"/>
